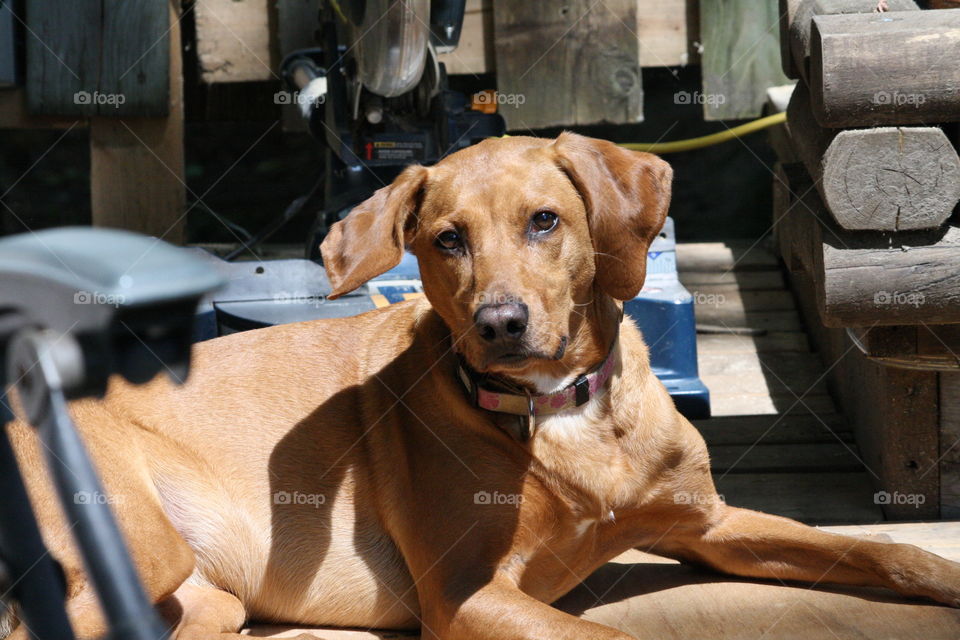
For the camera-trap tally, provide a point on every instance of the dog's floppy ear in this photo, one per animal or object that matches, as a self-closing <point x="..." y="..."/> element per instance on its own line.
<point x="626" y="194"/>
<point x="371" y="238"/>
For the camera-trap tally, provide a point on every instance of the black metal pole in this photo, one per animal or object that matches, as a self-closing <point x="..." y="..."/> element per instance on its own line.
<point x="36" y="580"/>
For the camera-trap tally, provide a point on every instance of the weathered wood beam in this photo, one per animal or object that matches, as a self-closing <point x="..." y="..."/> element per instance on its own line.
<point x="796" y="21"/>
<point x="866" y="279"/>
<point x="883" y="179"/>
<point x="890" y="68"/>
<point x="928" y="347"/>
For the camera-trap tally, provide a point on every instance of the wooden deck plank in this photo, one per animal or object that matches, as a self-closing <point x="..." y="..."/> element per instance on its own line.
<point x="825" y="457"/>
<point x="734" y="280"/>
<point x="820" y="498"/>
<point x="772" y="429"/>
<point x="732" y="318"/>
<point x="762" y="402"/>
<point x="770" y="342"/>
<point x="733" y="255"/>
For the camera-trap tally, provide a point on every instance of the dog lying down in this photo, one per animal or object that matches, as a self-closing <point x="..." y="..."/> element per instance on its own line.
<point x="454" y="463"/>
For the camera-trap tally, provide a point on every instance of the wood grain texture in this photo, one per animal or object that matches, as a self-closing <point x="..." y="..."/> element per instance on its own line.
<point x="887" y="178"/>
<point x="866" y="279"/>
<point x="236" y="40"/>
<point x="60" y="61"/>
<point x="764" y="429"/>
<point x="125" y="74"/>
<point x="668" y="30"/>
<point x="574" y="64"/>
<point x="136" y="58"/>
<point x="137" y="164"/>
<point x="950" y="445"/>
<point x="741" y="56"/>
<point x="797" y="25"/>
<point x="894" y="413"/>
<point x="855" y="81"/>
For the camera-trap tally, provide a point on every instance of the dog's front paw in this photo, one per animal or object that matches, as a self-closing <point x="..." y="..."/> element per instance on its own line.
<point x="919" y="573"/>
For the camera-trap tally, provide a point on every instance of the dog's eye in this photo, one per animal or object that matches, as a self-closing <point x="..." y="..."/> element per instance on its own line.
<point x="449" y="240"/>
<point x="543" y="221"/>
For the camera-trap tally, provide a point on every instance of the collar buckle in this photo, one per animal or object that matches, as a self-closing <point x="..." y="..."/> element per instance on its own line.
<point x="581" y="390"/>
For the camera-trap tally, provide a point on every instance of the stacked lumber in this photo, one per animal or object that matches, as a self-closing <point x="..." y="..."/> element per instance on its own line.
<point x="865" y="196"/>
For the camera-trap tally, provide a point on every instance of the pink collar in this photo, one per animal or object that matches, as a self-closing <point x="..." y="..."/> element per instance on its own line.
<point x="528" y="405"/>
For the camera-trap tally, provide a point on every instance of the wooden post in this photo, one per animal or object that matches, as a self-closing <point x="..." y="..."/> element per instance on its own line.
<point x="884" y="179"/>
<point x="137" y="164"/>
<point x="889" y="68"/>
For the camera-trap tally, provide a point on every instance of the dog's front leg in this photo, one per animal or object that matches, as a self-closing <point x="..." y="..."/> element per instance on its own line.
<point x="501" y="611"/>
<point x="758" y="545"/>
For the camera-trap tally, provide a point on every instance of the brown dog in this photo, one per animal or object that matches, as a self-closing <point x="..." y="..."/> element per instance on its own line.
<point x="340" y="473"/>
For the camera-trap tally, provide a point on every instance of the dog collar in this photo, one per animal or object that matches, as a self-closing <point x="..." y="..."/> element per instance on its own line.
<point x="528" y="405"/>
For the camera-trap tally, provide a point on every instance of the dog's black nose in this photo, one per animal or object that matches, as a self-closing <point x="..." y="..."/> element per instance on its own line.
<point x="501" y="321"/>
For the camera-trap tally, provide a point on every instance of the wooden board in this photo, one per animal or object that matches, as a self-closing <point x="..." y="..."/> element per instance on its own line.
<point x="741" y="56"/>
<point x="575" y="64"/>
<point x="836" y="457"/>
<point x="765" y="429"/>
<point x="234" y="41"/>
<point x="127" y="74"/>
<point x="137" y="164"/>
<point x="733" y="255"/>
<point x="815" y="498"/>
<point x="668" y="31"/>
<point x="762" y="401"/>
<point x="733" y="280"/>
<point x="770" y="342"/>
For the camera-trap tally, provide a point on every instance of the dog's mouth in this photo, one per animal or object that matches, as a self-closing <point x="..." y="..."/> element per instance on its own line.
<point x="519" y="357"/>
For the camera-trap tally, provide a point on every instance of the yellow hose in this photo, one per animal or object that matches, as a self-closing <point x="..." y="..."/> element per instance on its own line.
<point x="706" y="141"/>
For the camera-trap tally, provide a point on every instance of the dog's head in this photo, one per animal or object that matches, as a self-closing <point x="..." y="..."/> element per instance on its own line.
<point x="516" y="238"/>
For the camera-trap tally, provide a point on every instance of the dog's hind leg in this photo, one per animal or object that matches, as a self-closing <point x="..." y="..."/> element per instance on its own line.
<point x="162" y="557"/>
